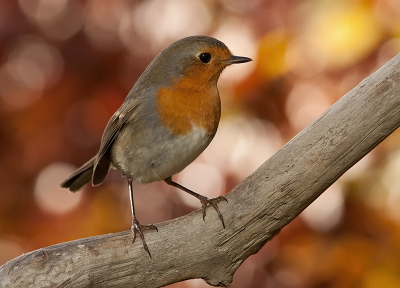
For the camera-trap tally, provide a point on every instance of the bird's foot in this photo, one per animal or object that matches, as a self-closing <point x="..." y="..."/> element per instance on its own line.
<point x="212" y="202"/>
<point x="137" y="227"/>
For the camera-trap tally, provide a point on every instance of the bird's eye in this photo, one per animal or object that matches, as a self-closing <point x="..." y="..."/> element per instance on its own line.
<point x="205" y="57"/>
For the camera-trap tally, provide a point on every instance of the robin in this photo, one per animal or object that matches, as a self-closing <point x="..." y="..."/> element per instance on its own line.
<point x="168" y="118"/>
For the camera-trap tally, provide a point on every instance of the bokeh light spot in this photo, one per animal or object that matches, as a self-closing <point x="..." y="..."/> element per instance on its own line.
<point x="32" y="66"/>
<point x="239" y="37"/>
<point x="325" y="212"/>
<point x="304" y="104"/>
<point x="58" y="19"/>
<point x="347" y="31"/>
<point x="42" y="10"/>
<point x="102" y="23"/>
<point x="49" y="197"/>
<point x="201" y="178"/>
<point x="162" y="22"/>
<point x="241" y="145"/>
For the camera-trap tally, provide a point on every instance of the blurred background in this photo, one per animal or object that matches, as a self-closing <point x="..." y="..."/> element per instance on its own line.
<point x="67" y="65"/>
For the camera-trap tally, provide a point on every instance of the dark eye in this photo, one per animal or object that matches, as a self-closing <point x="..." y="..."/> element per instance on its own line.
<point x="205" y="57"/>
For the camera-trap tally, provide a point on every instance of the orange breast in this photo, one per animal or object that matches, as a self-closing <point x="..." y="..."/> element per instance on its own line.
<point x="187" y="103"/>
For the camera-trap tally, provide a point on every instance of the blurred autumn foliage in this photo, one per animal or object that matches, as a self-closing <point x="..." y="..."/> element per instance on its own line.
<point x="67" y="65"/>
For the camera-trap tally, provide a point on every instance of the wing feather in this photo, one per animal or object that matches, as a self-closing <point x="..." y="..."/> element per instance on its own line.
<point x="114" y="126"/>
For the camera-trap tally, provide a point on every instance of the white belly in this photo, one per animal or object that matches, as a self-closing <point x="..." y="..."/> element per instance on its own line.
<point x="160" y="158"/>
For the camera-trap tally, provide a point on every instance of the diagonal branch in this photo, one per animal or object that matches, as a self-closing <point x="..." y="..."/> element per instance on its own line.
<point x="258" y="208"/>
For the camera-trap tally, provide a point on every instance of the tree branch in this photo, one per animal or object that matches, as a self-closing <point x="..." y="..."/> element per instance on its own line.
<point x="258" y="208"/>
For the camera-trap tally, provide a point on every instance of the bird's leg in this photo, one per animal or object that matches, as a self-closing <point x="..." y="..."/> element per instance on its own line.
<point x="136" y="226"/>
<point x="204" y="200"/>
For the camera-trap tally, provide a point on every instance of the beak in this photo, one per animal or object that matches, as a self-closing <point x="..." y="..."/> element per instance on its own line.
<point x="237" y="60"/>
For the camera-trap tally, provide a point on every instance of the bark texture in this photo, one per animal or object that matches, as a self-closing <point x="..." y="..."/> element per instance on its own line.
<point x="258" y="208"/>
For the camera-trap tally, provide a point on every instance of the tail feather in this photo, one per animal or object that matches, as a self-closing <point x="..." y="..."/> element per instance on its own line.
<point x="80" y="177"/>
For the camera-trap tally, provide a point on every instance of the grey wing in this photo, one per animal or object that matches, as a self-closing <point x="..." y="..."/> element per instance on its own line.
<point x="114" y="126"/>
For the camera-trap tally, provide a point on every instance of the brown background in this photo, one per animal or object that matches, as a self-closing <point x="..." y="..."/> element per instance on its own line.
<point x="66" y="66"/>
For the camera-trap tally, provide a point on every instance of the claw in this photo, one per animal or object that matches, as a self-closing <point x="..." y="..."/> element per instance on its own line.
<point x="204" y="200"/>
<point x="136" y="226"/>
<point x="207" y="202"/>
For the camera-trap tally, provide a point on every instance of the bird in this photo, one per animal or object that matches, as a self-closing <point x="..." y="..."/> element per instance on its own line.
<point x="168" y="118"/>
